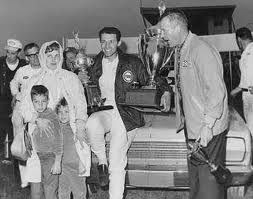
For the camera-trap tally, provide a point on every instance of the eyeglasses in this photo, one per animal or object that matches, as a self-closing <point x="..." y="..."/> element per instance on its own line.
<point x="33" y="55"/>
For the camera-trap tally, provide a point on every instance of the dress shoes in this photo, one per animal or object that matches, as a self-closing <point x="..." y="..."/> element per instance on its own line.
<point x="103" y="175"/>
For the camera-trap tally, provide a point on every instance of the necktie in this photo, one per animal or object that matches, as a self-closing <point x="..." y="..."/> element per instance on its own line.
<point x="178" y="49"/>
<point x="179" y="100"/>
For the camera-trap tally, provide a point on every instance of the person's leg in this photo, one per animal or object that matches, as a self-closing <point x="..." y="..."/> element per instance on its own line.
<point x="64" y="185"/>
<point x="77" y="183"/>
<point x="193" y="180"/>
<point x="209" y="187"/>
<point x="22" y="170"/>
<point x="117" y="158"/>
<point x="50" y="182"/>
<point x="97" y="125"/>
<point x="248" y="112"/>
<point x="79" y="189"/>
<point x="36" y="190"/>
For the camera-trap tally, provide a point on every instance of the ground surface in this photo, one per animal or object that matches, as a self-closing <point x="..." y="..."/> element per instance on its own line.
<point x="10" y="189"/>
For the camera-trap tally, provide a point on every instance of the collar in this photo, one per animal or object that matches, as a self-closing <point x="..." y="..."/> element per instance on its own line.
<point x="248" y="48"/>
<point x="106" y="61"/>
<point x="187" y="41"/>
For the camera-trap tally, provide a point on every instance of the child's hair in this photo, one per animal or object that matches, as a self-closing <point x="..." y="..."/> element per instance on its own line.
<point x="62" y="102"/>
<point x="39" y="90"/>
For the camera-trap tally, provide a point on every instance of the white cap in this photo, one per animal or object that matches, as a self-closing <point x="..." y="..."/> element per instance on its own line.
<point x="13" y="45"/>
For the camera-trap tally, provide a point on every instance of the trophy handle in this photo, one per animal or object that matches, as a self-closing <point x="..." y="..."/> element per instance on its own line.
<point x="143" y="51"/>
<point x="140" y="48"/>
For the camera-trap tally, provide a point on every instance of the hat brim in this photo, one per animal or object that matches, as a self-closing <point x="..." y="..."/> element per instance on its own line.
<point x="11" y="48"/>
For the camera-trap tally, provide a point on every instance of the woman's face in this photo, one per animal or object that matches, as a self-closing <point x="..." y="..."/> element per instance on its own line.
<point x="53" y="59"/>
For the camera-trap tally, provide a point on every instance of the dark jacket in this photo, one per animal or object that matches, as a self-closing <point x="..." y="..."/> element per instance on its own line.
<point x="131" y="65"/>
<point x="130" y="69"/>
<point x="6" y="75"/>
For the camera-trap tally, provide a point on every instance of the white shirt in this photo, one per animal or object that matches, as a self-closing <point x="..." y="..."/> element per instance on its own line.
<point x="23" y="74"/>
<point x="246" y="67"/>
<point x="12" y="67"/>
<point x="107" y="80"/>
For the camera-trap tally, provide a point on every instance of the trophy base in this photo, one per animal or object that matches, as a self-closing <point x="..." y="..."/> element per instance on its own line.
<point x="93" y="109"/>
<point x="143" y="97"/>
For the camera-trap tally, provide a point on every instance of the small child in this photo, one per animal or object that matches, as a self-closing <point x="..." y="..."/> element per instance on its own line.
<point x="48" y="147"/>
<point x="71" y="179"/>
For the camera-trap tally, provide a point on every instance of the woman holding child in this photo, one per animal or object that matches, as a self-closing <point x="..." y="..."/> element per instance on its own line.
<point x="60" y="84"/>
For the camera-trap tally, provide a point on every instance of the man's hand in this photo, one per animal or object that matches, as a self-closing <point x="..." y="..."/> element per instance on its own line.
<point x="166" y="101"/>
<point x="45" y="126"/>
<point x="83" y="76"/>
<point x="56" y="168"/>
<point x="80" y="132"/>
<point x="206" y="134"/>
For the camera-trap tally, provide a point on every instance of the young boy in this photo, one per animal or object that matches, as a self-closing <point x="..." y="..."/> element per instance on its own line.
<point x="48" y="147"/>
<point x="71" y="178"/>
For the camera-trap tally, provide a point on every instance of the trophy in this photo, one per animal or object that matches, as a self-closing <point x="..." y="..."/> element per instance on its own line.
<point x="197" y="155"/>
<point x="154" y="53"/>
<point x="83" y="63"/>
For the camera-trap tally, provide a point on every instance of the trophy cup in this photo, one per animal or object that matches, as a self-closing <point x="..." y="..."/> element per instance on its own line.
<point x="197" y="154"/>
<point x="154" y="53"/>
<point x="82" y="63"/>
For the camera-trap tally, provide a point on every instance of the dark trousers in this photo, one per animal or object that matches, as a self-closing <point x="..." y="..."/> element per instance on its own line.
<point x="203" y="184"/>
<point x="49" y="181"/>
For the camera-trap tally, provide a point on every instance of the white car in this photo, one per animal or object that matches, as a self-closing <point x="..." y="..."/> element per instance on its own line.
<point x="157" y="157"/>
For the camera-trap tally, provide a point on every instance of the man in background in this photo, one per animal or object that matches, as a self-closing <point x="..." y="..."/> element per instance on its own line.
<point x="9" y="64"/>
<point x="244" y="41"/>
<point x="17" y="87"/>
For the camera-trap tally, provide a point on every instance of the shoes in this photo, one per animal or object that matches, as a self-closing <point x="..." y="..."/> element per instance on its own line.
<point x="103" y="175"/>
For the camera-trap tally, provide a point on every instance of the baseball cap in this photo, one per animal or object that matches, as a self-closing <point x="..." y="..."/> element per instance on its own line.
<point x="13" y="45"/>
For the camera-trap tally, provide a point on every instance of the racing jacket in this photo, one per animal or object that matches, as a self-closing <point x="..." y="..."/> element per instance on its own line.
<point x="129" y="70"/>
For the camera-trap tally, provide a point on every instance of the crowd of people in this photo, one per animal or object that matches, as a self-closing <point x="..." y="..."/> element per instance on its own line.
<point x="45" y="92"/>
<point x="52" y="101"/>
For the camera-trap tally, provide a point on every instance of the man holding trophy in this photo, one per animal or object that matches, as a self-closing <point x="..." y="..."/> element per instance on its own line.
<point x="115" y="72"/>
<point x="201" y="103"/>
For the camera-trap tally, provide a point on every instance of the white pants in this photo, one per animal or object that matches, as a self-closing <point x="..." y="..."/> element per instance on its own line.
<point x="103" y="122"/>
<point x="248" y="110"/>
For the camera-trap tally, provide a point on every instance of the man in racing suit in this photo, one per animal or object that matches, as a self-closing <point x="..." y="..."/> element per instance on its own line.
<point x="115" y="72"/>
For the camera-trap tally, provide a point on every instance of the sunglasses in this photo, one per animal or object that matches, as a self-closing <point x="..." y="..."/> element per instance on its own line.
<point x="33" y="55"/>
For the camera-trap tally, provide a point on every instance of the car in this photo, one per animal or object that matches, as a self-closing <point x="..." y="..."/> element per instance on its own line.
<point x="157" y="157"/>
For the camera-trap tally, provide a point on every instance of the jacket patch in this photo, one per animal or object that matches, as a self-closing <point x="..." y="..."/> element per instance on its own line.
<point x="128" y="76"/>
<point x="185" y="63"/>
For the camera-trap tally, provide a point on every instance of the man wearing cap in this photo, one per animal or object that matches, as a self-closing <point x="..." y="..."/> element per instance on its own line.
<point x="9" y="64"/>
